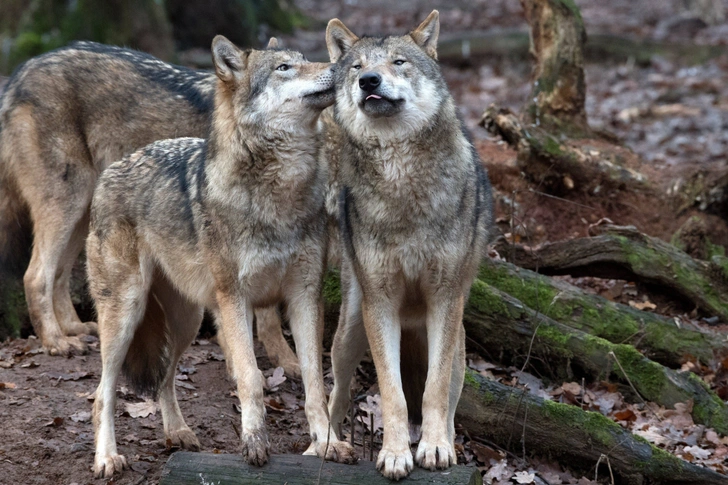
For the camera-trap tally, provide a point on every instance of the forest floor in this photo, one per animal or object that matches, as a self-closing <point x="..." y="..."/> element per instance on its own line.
<point x="673" y="115"/>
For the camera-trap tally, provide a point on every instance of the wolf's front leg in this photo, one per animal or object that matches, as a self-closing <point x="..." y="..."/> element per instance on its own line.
<point x="236" y="323"/>
<point x="444" y="320"/>
<point x="381" y="321"/>
<point x="306" y="314"/>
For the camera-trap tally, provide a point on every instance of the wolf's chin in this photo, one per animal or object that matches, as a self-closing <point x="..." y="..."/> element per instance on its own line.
<point x="381" y="107"/>
<point x="320" y="99"/>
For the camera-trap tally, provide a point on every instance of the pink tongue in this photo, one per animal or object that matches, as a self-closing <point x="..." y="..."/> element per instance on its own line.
<point x="373" y="96"/>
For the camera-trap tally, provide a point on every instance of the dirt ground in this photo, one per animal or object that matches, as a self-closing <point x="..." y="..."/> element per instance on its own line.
<point x="673" y="117"/>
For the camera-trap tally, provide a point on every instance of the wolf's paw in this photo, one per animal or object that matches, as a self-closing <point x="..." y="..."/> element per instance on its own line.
<point x="291" y="367"/>
<point x="183" y="438"/>
<point x="106" y="466"/>
<point x="78" y="328"/>
<point x="395" y="464"/>
<point x="65" y="346"/>
<point x="255" y="447"/>
<point x="433" y="456"/>
<point x="338" y="451"/>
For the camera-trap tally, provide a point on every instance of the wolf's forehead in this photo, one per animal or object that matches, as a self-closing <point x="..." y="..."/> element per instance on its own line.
<point x="380" y="48"/>
<point x="276" y="55"/>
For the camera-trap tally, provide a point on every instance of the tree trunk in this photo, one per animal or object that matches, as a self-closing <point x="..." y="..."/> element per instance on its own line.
<point x="517" y="420"/>
<point x="557" y="46"/>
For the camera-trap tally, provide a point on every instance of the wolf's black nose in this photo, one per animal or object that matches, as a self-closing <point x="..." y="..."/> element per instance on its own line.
<point x="369" y="81"/>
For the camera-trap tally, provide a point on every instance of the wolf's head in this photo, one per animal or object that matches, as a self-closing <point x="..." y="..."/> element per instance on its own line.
<point x="386" y="86"/>
<point x="275" y="88"/>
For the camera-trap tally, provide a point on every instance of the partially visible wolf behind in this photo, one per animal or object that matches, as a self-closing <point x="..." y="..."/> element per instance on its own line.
<point x="231" y="223"/>
<point x="64" y="117"/>
<point x="415" y="213"/>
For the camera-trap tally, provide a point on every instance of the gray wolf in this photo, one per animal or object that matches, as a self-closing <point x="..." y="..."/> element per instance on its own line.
<point x="415" y="213"/>
<point x="231" y="223"/>
<point x="65" y="116"/>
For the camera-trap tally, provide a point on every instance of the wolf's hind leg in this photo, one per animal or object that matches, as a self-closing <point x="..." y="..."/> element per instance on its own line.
<point x="183" y="322"/>
<point x="119" y="316"/>
<point x="65" y="313"/>
<point x="53" y="228"/>
<point x="270" y="335"/>
<point x="347" y="351"/>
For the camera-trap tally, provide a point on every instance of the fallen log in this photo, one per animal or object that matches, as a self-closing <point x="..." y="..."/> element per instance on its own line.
<point x="658" y="337"/>
<point x="185" y="468"/>
<point x="625" y="253"/>
<point x="579" y="438"/>
<point x="506" y="327"/>
<point x="559" y="166"/>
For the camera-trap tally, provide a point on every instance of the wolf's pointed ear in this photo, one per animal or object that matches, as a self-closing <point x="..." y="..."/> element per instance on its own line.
<point x="427" y="33"/>
<point x="339" y="39"/>
<point x="229" y="61"/>
<point x="272" y="43"/>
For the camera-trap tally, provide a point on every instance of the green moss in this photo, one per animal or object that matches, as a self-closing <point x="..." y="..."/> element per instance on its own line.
<point x="332" y="287"/>
<point x="643" y="259"/>
<point x="484" y="300"/>
<point x="710" y="411"/>
<point x="599" y="427"/>
<point x="552" y="334"/>
<point x="537" y="295"/>
<point x="647" y="376"/>
<point x="471" y="380"/>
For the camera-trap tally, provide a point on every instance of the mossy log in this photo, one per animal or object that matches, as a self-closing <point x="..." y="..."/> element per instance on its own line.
<point x="517" y="420"/>
<point x="625" y="253"/>
<point x="659" y="338"/>
<point x="503" y="325"/>
<point x="559" y="166"/>
<point x="184" y="468"/>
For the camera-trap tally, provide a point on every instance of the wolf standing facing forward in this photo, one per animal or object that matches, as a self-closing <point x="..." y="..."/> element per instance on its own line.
<point x="231" y="223"/>
<point x="415" y="212"/>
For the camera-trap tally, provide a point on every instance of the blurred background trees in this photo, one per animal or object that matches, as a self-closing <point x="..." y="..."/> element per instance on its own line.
<point x="160" y="27"/>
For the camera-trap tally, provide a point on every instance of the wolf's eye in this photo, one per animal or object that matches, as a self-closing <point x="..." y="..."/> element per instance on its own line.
<point x="356" y="66"/>
<point x="399" y="62"/>
<point x="283" y="67"/>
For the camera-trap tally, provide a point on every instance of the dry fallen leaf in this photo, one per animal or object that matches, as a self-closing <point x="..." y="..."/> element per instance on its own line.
<point x="81" y="417"/>
<point x="141" y="409"/>
<point x="499" y="471"/>
<point x="524" y="477"/>
<point x="642" y="305"/>
<point x="7" y="385"/>
<point x="276" y="379"/>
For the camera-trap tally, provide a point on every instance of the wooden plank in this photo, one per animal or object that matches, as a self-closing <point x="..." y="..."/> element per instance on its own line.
<point x="185" y="468"/>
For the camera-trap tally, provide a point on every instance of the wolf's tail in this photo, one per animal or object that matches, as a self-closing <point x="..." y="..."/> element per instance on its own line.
<point x="15" y="227"/>
<point x="147" y="360"/>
